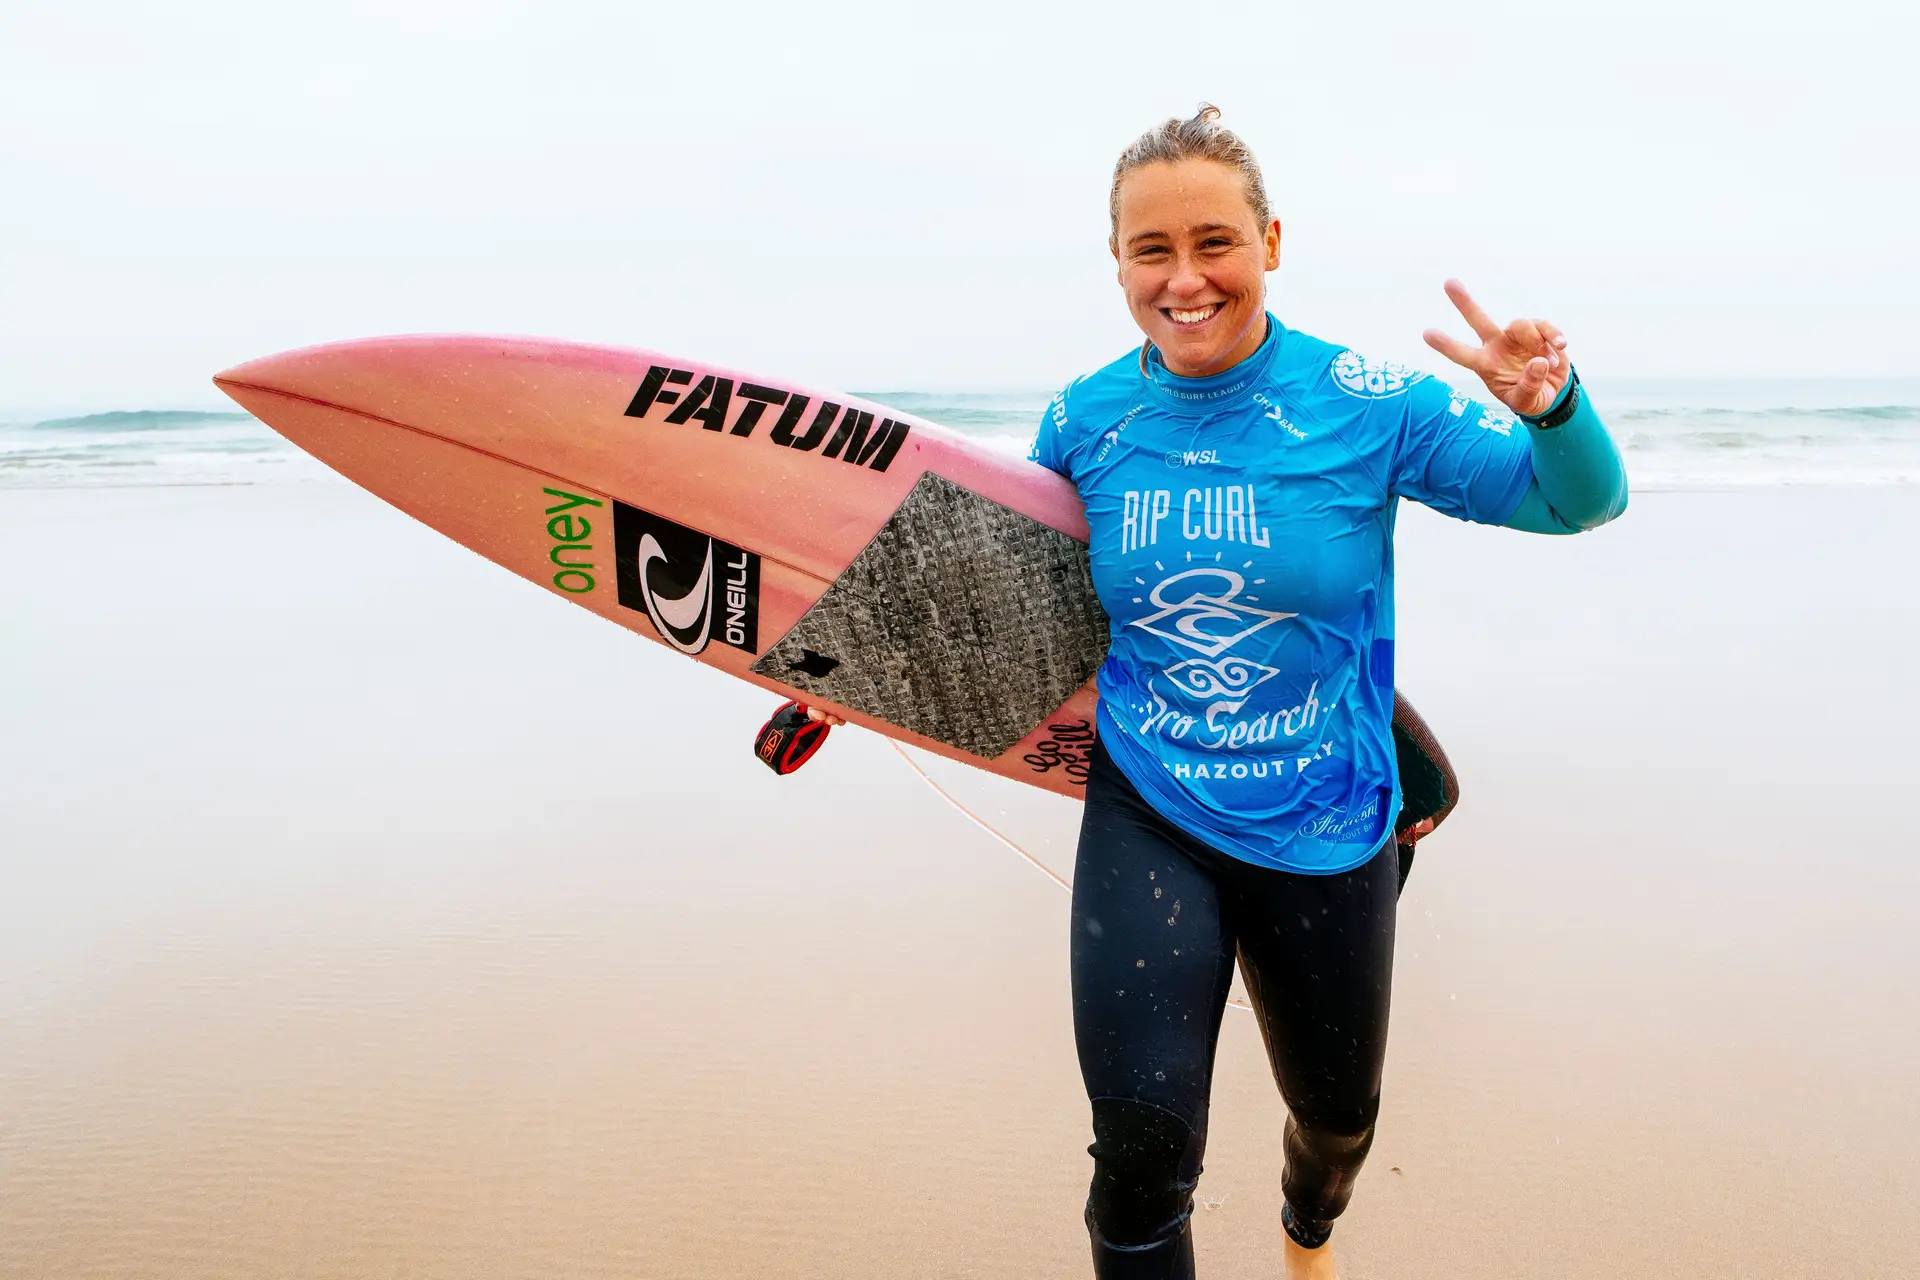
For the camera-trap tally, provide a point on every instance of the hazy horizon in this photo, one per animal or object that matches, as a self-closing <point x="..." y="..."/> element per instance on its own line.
<point x="861" y="196"/>
<point x="1758" y="391"/>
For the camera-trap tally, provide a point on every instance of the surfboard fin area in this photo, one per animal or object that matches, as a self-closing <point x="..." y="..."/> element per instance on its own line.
<point x="972" y="623"/>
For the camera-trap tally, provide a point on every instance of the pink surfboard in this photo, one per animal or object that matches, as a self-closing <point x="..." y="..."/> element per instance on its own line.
<point x="823" y="547"/>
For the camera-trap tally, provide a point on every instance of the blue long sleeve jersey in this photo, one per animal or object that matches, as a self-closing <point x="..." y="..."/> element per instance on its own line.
<point x="1242" y="545"/>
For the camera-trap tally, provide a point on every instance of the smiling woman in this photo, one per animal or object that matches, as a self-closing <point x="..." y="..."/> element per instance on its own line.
<point x="1240" y="481"/>
<point x="1196" y="283"/>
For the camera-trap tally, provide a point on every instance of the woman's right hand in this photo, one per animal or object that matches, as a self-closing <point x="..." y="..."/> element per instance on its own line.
<point x="833" y="721"/>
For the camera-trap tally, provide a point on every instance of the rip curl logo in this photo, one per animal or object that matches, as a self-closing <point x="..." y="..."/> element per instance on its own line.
<point x="1373" y="379"/>
<point x="1200" y="609"/>
<point x="693" y="588"/>
<point x="1204" y="610"/>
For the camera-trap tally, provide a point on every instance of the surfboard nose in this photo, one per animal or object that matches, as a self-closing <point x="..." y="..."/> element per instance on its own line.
<point x="437" y="382"/>
<point x="266" y="372"/>
<point x="558" y="408"/>
<point x="358" y="376"/>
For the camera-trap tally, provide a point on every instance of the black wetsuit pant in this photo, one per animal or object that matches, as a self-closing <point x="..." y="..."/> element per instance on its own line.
<point x="1158" y="921"/>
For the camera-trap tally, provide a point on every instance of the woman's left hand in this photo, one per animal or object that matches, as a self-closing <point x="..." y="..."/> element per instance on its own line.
<point x="1524" y="365"/>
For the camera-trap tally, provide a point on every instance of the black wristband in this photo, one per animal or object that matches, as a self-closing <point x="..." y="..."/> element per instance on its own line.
<point x="1558" y="416"/>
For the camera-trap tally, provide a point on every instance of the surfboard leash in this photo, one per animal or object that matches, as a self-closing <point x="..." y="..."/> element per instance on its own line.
<point x="991" y="830"/>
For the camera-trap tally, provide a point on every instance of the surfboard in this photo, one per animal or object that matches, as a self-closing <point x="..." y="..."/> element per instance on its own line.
<point x="824" y="547"/>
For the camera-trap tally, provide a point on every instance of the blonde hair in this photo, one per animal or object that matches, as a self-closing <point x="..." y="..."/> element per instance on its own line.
<point x="1201" y="138"/>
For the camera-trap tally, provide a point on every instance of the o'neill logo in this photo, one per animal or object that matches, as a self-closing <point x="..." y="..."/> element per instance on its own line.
<point x="847" y="434"/>
<point x="693" y="588"/>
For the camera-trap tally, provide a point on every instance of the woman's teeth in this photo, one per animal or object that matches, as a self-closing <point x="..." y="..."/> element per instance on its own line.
<point x="1192" y="317"/>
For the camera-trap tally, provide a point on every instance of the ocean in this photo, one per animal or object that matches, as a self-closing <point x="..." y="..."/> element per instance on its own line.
<point x="1676" y="434"/>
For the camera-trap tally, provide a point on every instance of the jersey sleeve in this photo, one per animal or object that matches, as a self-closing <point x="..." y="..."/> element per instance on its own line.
<point x="1463" y="458"/>
<point x="1053" y="441"/>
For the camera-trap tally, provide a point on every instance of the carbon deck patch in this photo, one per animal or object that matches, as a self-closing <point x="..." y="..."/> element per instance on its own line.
<point x="963" y="620"/>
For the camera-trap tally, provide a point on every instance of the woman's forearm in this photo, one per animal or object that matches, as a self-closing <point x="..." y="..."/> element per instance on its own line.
<point x="1579" y="481"/>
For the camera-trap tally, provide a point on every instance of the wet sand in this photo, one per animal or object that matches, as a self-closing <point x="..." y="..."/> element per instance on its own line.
<point x="365" y="913"/>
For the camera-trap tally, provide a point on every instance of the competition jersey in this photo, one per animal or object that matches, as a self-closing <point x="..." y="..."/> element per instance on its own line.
<point x="1242" y="545"/>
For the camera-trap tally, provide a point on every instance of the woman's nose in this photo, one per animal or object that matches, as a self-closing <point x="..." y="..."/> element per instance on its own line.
<point x="1186" y="278"/>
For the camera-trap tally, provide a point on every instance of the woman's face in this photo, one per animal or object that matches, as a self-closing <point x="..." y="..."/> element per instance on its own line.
<point x="1194" y="262"/>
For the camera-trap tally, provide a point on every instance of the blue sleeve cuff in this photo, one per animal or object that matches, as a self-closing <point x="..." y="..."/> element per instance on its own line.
<point x="1577" y="470"/>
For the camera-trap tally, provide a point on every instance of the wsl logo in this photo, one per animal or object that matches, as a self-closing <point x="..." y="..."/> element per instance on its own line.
<point x="1193" y="457"/>
<point x="693" y="588"/>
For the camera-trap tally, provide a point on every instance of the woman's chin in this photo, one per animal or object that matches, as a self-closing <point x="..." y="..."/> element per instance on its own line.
<point x="1192" y="355"/>
<point x="1199" y="350"/>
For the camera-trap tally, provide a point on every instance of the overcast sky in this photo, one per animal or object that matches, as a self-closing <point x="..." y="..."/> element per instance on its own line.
<point x="887" y="196"/>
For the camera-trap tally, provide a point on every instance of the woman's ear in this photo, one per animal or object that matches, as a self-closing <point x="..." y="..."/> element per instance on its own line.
<point x="1273" y="245"/>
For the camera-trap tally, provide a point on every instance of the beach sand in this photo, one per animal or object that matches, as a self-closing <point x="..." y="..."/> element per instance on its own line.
<point x="364" y="913"/>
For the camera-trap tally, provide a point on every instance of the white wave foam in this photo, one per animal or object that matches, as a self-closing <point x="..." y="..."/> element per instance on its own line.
<point x="1667" y="445"/>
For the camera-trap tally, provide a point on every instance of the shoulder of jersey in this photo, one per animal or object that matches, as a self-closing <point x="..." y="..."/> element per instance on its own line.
<point x="1341" y="373"/>
<point x="1342" y="378"/>
<point x="1096" y="400"/>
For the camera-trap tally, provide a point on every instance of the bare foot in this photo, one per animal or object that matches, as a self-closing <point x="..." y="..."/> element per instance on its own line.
<point x="1310" y="1264"/>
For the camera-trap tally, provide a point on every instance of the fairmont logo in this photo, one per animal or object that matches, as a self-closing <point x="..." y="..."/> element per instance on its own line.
<point x="718" y="404"/>
<point x="692" y="587"/>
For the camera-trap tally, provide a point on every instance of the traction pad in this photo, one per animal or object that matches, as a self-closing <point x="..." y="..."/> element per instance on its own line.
<point x="963" y="621"/>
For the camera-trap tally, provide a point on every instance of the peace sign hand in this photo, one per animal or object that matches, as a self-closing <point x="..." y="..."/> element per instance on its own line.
<point x="1524" y="364"/>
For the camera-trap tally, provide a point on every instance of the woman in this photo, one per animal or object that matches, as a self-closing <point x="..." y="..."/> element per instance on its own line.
<point x="1240" y="481"/>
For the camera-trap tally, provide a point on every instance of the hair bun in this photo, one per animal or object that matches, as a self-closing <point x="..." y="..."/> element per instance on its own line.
<point x="1201" y="137"/>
